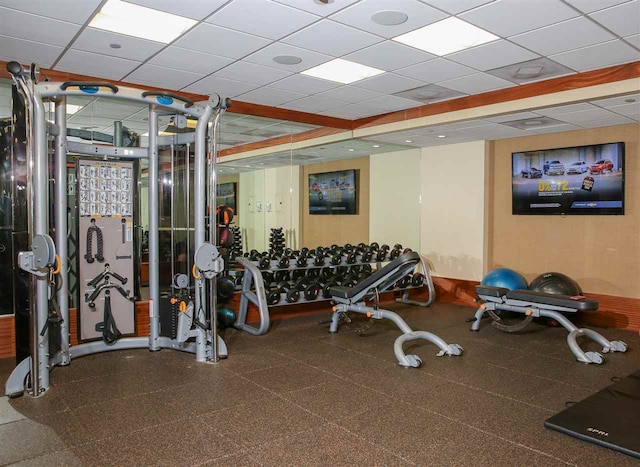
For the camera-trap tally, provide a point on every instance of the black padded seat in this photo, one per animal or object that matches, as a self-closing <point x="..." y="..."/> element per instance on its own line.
<point x="340" y="292"/>
<point x="491" y="291"/>
<point x="578" y="303"/>
<point x="382" y="279"/>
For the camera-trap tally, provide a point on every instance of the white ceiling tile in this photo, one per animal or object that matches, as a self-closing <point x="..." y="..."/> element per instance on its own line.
<point x="304" y="84"/>
<point x="313" y="104"/>
<point x="351" y="111"/>
<point x="331" y="38"/>
<point x="633" y="40"/>
<point x="436" y="70"/>
<point x="554" y="129"/>
<point x="251" y="73"/>
<point x="221" y="86"/>
<point x="215" y="40"/>
<point x="196" y="9"/>
<point x="73" y="11"/>
<point x="508" y="17"/>
<point x="269" y="96"/>
<point x="588" y="6"/>
<point x="162" y="77"/>
<point x="512" y="117"/>
<point x="99" y="41"/>
<point x="24" y="51"/>
<point x="359" y="16"/>
<point x="623" y="19"/>
<point x="627" y="110"/>
<point x="585" y="115"/>
<point x="184" y="59"/>
<point x="389" y="83"/>
<point x="618" y="120"/>
<point x="391" y="103"/>
<point x="35" y="28"/>
<point x="560" y="37"/>
<point x="309" y="59"/>
<point x="474" y="84"/>
<point x="493" y="55"/>
<point x="318" y="8"/>
<point x="100" y="66"/>
<point x="350" y="94"/>
<point x="263" y="18"/>
<point x="456" y="6"/>
<point x="565" y="109"/>
<point x="598" y="56"/>
<point x="616" y="101"/>
<point x="389" y="56"/>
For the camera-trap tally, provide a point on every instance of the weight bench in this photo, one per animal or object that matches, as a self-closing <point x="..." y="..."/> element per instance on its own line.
<point x="353" y="299"/>
<point x="537" y="304"/>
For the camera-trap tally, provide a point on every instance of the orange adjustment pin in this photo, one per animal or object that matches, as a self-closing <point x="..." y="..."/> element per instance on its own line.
<point x="528" y="312"/>
<point x="483" y="307"/>
<point x="173" y="300"/>
<point x="183" y="306"/>
<point x="369" y="314"/>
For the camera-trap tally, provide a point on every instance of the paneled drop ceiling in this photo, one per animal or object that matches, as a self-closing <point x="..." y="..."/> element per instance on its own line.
<point x="230" y="49"/>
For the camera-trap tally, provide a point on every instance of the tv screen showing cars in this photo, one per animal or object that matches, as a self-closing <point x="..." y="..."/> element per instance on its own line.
<point x="576" y="180"/>
<point x="333" y="193"/>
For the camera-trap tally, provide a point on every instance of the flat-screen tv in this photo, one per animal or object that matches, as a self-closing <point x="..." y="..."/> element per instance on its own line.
<point x="333" y="193"/>
<point x="226" y="195"/>
<point x="568" y="181"/>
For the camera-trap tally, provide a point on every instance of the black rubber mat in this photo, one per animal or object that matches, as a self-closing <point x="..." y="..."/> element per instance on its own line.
<point x="609" y="418"/>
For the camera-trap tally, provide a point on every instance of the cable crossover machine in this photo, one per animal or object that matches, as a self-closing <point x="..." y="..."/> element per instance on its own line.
<point x="106" y="188"/>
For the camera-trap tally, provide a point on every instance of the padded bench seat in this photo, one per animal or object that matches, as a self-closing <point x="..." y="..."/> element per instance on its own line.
<point x="579" y="303"/>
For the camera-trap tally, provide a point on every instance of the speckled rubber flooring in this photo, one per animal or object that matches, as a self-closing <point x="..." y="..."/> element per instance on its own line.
<point x="300" y="396"/>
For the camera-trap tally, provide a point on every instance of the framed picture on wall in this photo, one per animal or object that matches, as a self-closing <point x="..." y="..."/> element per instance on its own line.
<point x="226" y="194"/>
<point x="333" y="193"/>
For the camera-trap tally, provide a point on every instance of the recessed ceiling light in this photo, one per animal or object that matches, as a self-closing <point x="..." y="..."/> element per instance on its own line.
<point x="342" y="71"/>
<point x="408" y="141"/>
<point x="248" y="166"/>
<point x="389" y="18"/>
<point x="351" y="149"/>
<point x="72" y="108"/>
<point x="115" y="46"/>
<point x="287" y="59"/>
<point x="442" y="136"/>
<point x="446" y="36"/>
<point x="138" y="21"/>
<point x="376" y="145"/>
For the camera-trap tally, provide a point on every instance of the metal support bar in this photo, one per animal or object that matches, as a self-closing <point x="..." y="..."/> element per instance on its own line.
<point x="199" y="214"/>
<point x="61" y="219"/>
<point x="154" y="244"/>
<point x="252" y="275"/>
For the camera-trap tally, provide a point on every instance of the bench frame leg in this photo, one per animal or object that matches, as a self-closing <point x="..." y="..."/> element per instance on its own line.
<point x="408" y="361"/>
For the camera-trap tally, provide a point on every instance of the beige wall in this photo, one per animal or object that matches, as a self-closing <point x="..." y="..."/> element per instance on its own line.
<point x="394" y="211"/>
<point x="282" y="202"/>
<point x="318" y="230"/>
<point x="601" y="252"/>
<point x="453" y="206"/>
<point x="251" y="208"/>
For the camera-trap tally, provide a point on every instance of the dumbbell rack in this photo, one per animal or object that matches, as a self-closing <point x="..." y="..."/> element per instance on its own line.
<point x="253" y="290"/>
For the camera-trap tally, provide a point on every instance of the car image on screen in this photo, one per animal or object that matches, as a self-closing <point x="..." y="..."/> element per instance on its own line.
<point x="601" y="167"/>
<point x="531" y="172"/>
<point x="577" y="167"/>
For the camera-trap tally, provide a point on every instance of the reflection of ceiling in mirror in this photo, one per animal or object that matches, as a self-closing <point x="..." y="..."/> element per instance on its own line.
<point x="312" y="155"/>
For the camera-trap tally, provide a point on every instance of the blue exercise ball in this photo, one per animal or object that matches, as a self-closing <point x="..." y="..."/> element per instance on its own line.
<point x="505" y="277"/>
